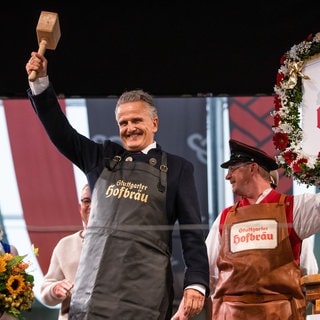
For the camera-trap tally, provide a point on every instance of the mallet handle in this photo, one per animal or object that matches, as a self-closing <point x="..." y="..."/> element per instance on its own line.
<point x="41" y="50"/>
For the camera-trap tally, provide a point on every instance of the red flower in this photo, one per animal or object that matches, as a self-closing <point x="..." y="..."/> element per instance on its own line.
<point x="279" y="78"/>
<point x="297" y="167"/>
<point x="310" y="37"/>
<point x="283" y="58"/>
<point x="280" y="140"/>
<point x="277" y="103"/>
<point x="276" y="120"/>
<point x="289" y="156"/>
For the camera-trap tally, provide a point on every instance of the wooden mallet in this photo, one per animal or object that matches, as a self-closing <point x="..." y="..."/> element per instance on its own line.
<point x="48" y="34"/>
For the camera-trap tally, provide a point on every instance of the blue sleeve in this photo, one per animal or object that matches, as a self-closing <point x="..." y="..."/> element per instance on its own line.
<point x="6" y="247"/>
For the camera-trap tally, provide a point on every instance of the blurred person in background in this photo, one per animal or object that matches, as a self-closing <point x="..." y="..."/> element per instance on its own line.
<point x="6" y="247"/>
<point x="58" y="282"/>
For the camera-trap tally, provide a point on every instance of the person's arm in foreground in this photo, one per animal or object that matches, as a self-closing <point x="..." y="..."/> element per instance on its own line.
<point x="55" y="288"/>
<point x="213" y="245"/>
<point x="196" y="281"/>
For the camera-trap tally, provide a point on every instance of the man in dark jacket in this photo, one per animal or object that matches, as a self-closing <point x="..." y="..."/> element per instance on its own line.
<point x="138" y="191"/>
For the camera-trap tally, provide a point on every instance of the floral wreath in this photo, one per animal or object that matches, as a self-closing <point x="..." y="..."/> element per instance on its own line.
<point x="287" y="136"/>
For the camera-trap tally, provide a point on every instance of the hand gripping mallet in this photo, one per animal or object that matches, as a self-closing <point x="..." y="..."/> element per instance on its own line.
<point x="48" y="34"/>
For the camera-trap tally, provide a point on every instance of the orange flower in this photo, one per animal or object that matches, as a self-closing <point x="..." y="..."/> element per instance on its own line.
<point x="15" y="284"/>
<point x="3" y="265"/>
<point x="7" y="256"/>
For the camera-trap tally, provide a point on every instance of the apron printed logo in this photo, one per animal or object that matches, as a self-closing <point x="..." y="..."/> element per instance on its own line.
<point x="256" y="234"/>
<point x="128" y="190"/>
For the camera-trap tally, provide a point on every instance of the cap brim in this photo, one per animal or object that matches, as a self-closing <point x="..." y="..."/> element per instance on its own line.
<point x="229" y="163"/>
<point x="241" y="152"/>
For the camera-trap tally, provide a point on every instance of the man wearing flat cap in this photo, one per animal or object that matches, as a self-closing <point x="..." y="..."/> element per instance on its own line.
<point x="241" y="153"/>
<point x="254" y="245"/>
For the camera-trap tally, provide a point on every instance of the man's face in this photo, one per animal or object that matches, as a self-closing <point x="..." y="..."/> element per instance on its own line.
<point x="136" y="125"/>
<point x="85" y="205"/>
<point x="239" y="176"/>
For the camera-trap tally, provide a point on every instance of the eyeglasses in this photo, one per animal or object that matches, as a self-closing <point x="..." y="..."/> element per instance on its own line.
<point x="231" y="169"/>
<point x="86" y="201"/>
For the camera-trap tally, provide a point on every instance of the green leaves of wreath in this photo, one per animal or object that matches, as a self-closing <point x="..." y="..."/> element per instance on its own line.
<point x="287" y="136"/>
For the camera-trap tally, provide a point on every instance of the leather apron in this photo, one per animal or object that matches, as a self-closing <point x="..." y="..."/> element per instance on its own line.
<point x="258" y="277"/>
<point x="125" y="270"/>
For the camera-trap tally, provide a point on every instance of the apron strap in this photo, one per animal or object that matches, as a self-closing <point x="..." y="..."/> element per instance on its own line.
<point x="282" y="199"/>
<point x="163" y="172"/>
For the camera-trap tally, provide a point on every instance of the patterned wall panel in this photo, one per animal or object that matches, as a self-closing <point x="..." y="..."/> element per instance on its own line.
<point x="251" y="123"/>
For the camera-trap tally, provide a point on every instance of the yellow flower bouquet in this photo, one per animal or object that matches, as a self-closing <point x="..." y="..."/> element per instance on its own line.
<point x="16" y="285"/>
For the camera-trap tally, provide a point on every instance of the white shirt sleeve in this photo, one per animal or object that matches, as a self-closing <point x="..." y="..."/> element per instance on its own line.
<point x="197" y="287"/>
<point x="213" y="242"/>
<point x="308" y="261"/>
<point x="306" y="214"/>
<point x="39" y="85"/>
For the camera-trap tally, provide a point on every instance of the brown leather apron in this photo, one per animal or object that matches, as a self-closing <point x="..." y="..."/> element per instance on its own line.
<point x="258" y="277"/>
<point x="125" y="271"/>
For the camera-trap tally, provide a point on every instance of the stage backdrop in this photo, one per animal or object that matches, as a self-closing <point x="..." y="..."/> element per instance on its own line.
<point x="39" y="188"/>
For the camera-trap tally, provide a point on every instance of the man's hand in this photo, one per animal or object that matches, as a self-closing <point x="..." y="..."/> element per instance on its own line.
<point x="63" y="289"/>
<point x="179" y="315"/>
<point x="193" y="301"/>
<point x="37" y="63"/>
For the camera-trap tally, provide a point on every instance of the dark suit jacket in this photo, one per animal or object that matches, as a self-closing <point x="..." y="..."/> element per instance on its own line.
<point x="182" y="201"/>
